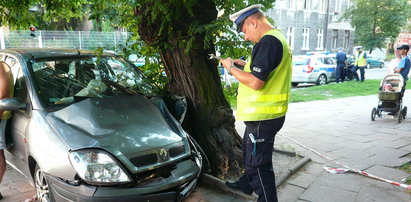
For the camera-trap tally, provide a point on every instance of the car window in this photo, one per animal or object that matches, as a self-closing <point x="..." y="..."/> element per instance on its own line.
<point x="327" y="60"/>
<point x="63" y="81"/>
<point x="300" y="60"/>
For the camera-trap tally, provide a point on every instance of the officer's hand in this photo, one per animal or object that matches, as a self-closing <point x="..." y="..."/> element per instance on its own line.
<point x="227" y="62"/>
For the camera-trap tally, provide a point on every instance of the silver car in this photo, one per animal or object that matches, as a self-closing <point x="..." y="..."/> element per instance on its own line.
<point x="313" y="68"/>
<point x="90" y="127"/>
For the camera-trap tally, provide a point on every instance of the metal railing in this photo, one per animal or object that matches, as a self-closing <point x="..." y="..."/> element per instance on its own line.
<point x="88" y="40"/>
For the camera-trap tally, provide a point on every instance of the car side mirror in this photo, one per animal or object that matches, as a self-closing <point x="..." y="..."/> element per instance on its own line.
<point x="11" y="104"/>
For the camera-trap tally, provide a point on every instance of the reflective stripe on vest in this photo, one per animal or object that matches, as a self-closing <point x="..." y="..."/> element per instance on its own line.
<point x="360" y="60"/>
<point x="271" y="101"/>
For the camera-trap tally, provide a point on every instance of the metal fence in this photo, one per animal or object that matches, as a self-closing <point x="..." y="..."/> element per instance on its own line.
<point x="62" y="39"/>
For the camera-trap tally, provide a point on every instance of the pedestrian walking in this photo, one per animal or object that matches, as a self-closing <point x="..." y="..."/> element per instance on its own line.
<point x="341" y="58"/>
<point x="262" y="101"/>
<point x="360" y="63"/>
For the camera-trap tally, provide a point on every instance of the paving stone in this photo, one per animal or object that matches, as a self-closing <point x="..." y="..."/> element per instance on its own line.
<point x="388" y="152"/>
<point x="377" y="191"/>
<point x="302" y="179"/>
<point x="326" y="194"/>
<point x="346" y="181"/>
<point x="350" y="153"/>
<point x="290" y="193"/>
<point x="313" y="168"/>
<point x="388" y="173"/>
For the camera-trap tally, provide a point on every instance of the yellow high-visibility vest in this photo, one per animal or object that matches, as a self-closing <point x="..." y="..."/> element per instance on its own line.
<point x="360" y="60"/>
<point x="271" y="101"/>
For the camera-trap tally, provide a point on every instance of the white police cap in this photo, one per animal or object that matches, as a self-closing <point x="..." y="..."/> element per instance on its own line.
<point x="239" y="17"/>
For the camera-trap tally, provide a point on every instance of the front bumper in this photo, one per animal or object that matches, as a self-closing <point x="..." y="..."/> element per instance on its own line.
<point x="174" y="188"/>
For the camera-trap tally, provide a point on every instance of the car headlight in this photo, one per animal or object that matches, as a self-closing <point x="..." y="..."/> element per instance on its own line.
<point x="97" y="167"/>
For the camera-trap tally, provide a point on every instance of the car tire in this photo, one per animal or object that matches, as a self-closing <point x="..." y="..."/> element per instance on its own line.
<point x="41" y="185"/>
<point x="382" y="65"/>
<point x="368" y="66"/>
<point x="321" y="80"/>
<point x="195" y="147"/>
<point x="294" y="84"/>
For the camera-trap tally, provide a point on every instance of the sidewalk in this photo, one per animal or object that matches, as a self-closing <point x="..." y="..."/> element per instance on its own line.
<point x="340" y="129"/>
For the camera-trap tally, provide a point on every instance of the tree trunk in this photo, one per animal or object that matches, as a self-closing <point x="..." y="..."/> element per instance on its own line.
<point x="209" y="118"/>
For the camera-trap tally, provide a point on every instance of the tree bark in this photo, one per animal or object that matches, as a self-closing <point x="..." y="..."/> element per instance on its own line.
<point x="209" y="118"/>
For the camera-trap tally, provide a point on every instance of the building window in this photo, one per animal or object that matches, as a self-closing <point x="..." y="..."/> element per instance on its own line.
<point x="307" y="5"/>
<point x="347" y="39"/>
<point x="290" y="37"/>
<point x="306" y="39"/>
<point x="320" y="39"/>
<point x="335" y="38"/>
<point x="322" y="7"/>
<point x="290" y="4"/>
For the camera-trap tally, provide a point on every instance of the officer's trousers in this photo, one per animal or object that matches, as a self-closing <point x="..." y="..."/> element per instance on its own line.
<point x="259" y="172"/>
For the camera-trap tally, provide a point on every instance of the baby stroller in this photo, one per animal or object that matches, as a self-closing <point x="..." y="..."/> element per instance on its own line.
<point x="390" y="96"/>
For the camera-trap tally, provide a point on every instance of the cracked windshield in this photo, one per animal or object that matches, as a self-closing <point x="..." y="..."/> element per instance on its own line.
<point x="64" y="81"/>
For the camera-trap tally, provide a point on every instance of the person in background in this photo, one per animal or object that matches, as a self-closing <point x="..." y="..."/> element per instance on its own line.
<point x="341" y="58"/>
<point x="360" y="63"/>
<point x="394" y="62"/>
<point x="6" y="91"/>
<point x="262" y="101"/>
<point x="403" y="67"/>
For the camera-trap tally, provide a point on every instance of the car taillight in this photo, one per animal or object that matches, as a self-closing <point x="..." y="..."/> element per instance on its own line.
<point x="309" y="67"/>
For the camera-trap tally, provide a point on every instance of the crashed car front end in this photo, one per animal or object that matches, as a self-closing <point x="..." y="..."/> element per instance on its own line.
<point x="121" y="142"/>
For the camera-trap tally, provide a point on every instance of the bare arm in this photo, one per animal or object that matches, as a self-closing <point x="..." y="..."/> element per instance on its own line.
<point x="245" y="78"/>
<point x="5" y="73"/>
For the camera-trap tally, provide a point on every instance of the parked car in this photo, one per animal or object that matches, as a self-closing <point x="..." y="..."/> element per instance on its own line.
<point x="92" y="128"/>
<point x="372" y="61"/>
<point x="318" y="68"/>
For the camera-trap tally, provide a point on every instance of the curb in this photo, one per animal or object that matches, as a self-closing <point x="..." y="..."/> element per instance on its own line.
<point x="220" y="184"/>
<point x="293" y="169"/>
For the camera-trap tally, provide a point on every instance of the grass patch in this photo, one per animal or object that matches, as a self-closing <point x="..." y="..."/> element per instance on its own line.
<point x="325" y="92"/>
<point x="407" y="168"/>
<point x="334" y="90"/>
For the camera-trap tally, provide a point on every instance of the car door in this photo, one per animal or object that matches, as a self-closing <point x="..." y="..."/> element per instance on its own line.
<point x="17" y="124"/>
<point x="329" y="67"/>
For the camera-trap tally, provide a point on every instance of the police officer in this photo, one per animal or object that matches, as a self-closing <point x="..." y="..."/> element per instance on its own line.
<point x="360" y="63"/>
<point x="262" y="100"/>
<point x="341" y="59"/>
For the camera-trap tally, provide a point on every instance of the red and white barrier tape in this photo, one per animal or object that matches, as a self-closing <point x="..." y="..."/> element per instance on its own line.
<point x="341" y="170"/>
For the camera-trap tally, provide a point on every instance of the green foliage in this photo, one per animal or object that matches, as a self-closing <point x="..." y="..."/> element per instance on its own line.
<point x="407" y="168"/>
<point x="376" y="20"/>
<point x="230" y="94"/>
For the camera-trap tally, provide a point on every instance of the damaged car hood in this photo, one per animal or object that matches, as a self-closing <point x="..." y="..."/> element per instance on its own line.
<point x="131" y="123"/>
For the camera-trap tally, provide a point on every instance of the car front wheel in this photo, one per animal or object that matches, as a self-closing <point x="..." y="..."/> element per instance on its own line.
<point x="41" y="185"/>
<point x="368" y="66"/>
<point x="322" y="80"/>
<point x="382" y="65"/>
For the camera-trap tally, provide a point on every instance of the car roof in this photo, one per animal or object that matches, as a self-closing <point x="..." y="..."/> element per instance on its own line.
<point x="51" y="52"/>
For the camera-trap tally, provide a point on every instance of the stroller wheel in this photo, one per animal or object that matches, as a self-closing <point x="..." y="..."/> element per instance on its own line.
<point x="404" y="112"/>
<point x="400" y="116"/>
<point x="379" y="113"/>
<point x="373" y="113"/>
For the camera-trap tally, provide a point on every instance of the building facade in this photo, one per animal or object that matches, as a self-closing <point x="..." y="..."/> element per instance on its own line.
<point x="313" y="25"/>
